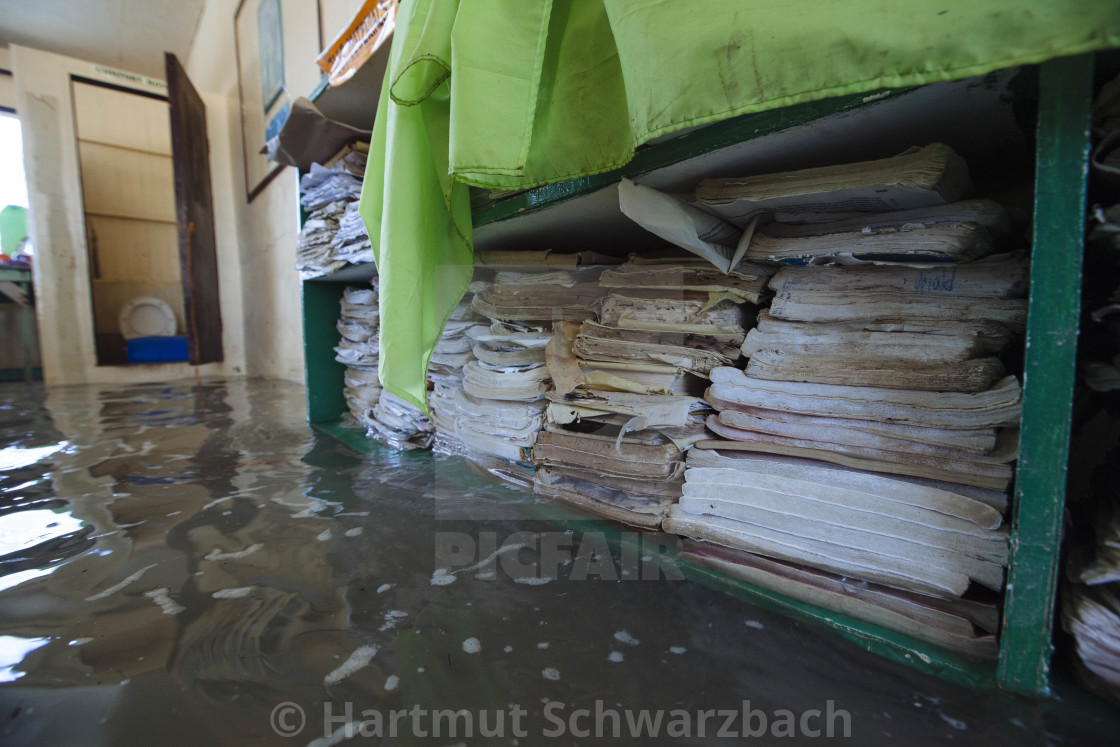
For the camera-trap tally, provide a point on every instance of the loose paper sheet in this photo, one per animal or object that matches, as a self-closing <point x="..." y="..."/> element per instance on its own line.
<point x="681" y="224"/>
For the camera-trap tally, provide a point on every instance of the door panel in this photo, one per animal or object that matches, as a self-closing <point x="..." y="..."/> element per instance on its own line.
<point x="134" y="251"/>
<point x="195" y="216"/>
<point x="126" y="183"/>
<point x="99" y="113"/>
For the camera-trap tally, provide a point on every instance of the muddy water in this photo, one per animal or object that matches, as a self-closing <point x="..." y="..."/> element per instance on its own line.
<point x="191" y="564"/>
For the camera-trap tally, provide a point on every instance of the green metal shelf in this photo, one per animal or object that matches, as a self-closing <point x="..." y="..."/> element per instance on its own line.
<point x="1065" y="100"/>
<point x="679" y="148"/>
<point x="1061" y="143"/>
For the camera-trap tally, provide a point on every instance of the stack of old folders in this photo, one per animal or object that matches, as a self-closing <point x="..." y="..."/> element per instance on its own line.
<point x="329" y="194"/>
<point x="919" y="178"/>
<point x="1091" y="600"/>
<point x="313" y="250"/>
<point x="357" y="350"/>
<point x="445" y="374"/>
<point x="860" y="460"/>
<point x="385" y="416"/>
<point x="400" y="424"/>
<point x="625" y="405"/>
<point x="351" y="241"/>
<point x="502" y="400"/>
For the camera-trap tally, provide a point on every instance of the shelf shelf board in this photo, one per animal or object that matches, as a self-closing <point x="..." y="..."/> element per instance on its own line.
<point x="360" y="272"/>
<point x="583" y="213"/>
<point x="355" y="101"/>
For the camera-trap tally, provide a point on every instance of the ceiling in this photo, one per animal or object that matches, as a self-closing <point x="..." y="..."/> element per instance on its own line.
<point x="129" y="35"/>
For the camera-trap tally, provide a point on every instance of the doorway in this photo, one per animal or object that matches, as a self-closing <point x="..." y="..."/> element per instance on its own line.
<point x="128" y="193"/>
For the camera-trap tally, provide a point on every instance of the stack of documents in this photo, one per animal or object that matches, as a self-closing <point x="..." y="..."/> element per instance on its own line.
<point x="445" y="376"/>
<point x="893" y="369"/>
<point x="625" y="405"/>
<point x="859" y="459"/>
<point x="1091" y="599"/>
<point x="909" y="207"/>
<point x="400" y="424"/>
<point x="934" y="328"/>
<point x="1091" y="614"/>
<point x="351" y="242"/>
<point x="329" y="193"/>
<point x="385" y="416"/>
<point x="313" y="249"/>
<point x="357" y="350"/>
<point x="896" y="552"/>
<point x="920" y="177"/>
<point x="502" y="397"/>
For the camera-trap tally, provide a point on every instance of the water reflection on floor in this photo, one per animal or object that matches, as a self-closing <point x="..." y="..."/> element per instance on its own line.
<point x="191" y="564"/>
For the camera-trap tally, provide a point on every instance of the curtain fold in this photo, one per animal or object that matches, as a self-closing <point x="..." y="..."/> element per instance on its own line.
<point x="513" y="94"/>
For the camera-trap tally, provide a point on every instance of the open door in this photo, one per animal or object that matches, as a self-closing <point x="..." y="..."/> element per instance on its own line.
<point x="190" y="152"/>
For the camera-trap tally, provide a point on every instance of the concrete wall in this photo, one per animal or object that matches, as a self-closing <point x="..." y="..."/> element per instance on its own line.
<point x="268" y="226"/>
<point x="56" y="218"/>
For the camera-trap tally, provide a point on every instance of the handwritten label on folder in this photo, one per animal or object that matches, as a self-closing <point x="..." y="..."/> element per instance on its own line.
<point x="936" y="281"/>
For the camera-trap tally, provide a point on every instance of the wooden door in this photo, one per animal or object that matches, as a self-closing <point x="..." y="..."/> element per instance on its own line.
<point x="198" y="255"/>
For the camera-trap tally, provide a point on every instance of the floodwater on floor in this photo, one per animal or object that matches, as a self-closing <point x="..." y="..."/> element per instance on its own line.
<point x="192" y="564"/>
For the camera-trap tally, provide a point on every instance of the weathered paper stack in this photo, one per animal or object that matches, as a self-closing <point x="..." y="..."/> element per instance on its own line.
<point x="920" y="177"/>
<point x="908" y="207"/>
<point x="385" y="416"/>
<point x="870" y="437"/>
<point x="864" y="454"/>
<point x="327" y="193"/>
<point x="351" y="242"/>
<point x="624" y="407"/>
<point x="313" y="248"/>
<point x="930" y="328"/>
<point x="1091" y="596"/>
<point x="502" y="403"/>
<point x="887" y="368"/>
<point x="445" y="373"/>
<point x="1091" y="614"/>
<point x="357" y="350"/>
<point x="895" y="551"/>
<point x="924" y="536"/>
<point x="400" y="424"/>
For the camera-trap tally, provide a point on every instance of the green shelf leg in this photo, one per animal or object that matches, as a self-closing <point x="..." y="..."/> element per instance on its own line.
<point x="1065" y="97"/>
<point x="325" y="401"/>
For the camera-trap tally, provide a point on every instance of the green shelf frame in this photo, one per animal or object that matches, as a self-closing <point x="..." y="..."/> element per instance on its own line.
<point x="1061" y="166"/>
<point x="1062" y="145"/>
<point x="322" y="373"/>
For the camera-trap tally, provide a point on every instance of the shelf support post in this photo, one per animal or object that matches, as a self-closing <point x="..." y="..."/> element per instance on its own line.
<point x="1065" y="97"/>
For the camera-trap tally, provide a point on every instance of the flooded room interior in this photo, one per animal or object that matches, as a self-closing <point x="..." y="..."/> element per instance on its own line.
<point x="505" y="372"/>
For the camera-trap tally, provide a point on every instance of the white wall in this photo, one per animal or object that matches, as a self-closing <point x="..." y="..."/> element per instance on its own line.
<point x="56" y="225"/>
<point x="7" y="84"/>
<point x="268" y="226"/>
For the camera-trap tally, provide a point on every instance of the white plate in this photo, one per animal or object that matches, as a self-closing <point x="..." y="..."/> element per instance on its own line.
<point x="145" y="316"/>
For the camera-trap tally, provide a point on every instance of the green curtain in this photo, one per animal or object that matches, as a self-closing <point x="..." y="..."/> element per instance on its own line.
<point x="418" y="217"/>
<point x="513" y="94"/>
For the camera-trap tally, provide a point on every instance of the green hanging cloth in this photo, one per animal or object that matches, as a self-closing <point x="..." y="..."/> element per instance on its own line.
<point x="418" y="217"/>
<point x="512" y="94"/>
